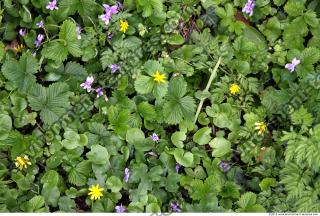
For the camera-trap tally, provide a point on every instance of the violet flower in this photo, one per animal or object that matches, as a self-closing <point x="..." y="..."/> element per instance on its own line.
<point x="292" y="66"/>
<point x="22" y="32"/>
<point x="109" y="11"/>
<point x="105" y="18"/>
<point x="99" y="92"/>
<point x="40" y="24"/>
<point x="79" y="29"/>
<point x="224" y="166"/>
<point x="126" y="174"/>
<point x="248" y="8"/>
<point x="114" y="68"/>
<point x="52" y="5"/>
<point x="155" y="137"/>
<point x="178" y="166"/>
<point x="119" y="5"/>
<point x="175" y="207"/>
<point x="87" y="84"/>
<point x="110" y="35"/>
<point x="120" y="209"/>
<point x="39" y="39"/>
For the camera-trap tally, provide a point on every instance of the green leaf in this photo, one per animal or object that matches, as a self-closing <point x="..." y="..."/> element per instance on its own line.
<point x="5" y="126"/>
<point x="114" y="184"/>
<point x="21" y="73"/>
<point x="177" y="138"/>
<point x="36" y="204"/>
<point x="220" y="146"/>
<point x="246" y="200"/>
<point x="185" y="159"/>
<point x="55" y="51"/>
<point x="144" y="84"/>
<point x="202" y="136"/>
<point x="135" y="136"/>
<point x="175" y="39"/>
<point x="51" y="101"/>
<point x="98" y="154"/>
<point x="73" y="140"/>
<point x="266" y="183"/>
<point x="147" y="111"/>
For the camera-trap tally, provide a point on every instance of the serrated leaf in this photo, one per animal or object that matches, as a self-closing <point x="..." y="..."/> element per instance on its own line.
<point x="51" y="101"/>
<point x="55" y="50"/>
<point x="21" y="73"/>
<point x="146" y="110"/>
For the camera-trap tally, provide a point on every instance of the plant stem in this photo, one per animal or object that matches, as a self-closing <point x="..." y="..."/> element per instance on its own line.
<point x="212" y="76"/>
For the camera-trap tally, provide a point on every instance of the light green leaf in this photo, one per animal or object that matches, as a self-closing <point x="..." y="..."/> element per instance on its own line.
<point x="114" y="184"/>
<point x="185" y="159"/>
<point x="220" y="146"/>
<point x="202" y="136"/>
<point x="98" y="154"/>
<point x="177" y="138"/>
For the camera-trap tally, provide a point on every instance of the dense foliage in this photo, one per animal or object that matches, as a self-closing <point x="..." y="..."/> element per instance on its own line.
<point x="159" y="105"/>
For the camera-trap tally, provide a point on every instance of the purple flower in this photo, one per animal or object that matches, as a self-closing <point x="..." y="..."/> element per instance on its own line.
<point x="52" y="5"/>
<point x="22" y="32"/>
<point x="224" y="166"/>
<point x="40" y="24"/>
<point x="109" y="11"/>
<point x="120" y="209"/>
<point x="155" y="137"/>
<point x="105" y="18"/>
<point x="175" y="207"/>
<point x="39" y="39"/>
<point x="79" y="29"/>
<point x="99" y="92"/>
<point x="248" y="8"/>
<point x="119" y="5"/>
<point x="114" y="68"/>
<point x="87" y="84"/>
<point x="178" y="166"/>
<point x="292" y="66"/>
<point x="110" y="35"/>
<point x="126" y="174"/>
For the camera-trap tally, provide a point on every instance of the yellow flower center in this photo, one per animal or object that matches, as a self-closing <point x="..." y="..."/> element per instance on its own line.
<point x="261" y="127"/>
<point x="124" y="25"/>
<point x="18" y="48"/>
<point x="22" y="162"/>
<point x="95" y="192"/>
<point x="234" y="89"/>
<point x="158" y="77"/>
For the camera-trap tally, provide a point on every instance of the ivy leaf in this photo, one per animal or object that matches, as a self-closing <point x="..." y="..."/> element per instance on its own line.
<point x="177" y="138"/>
<point x="114" y="184"/>
<point x="21" y="73"/>
<point x="5" y="126"/>
<point x="51" y="101"/>
<point x="220" y="146"/>
<point x="98" y="154"/>
<point x="73" y="140"/>
<point x="185" y="159"/>
<point x="202" y="136"/>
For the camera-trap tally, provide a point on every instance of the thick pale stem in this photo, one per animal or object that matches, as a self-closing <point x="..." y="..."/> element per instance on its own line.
<point x="212" y="76"/>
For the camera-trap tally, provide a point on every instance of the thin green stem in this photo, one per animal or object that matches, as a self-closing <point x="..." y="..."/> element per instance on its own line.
<point x="212" y="76"/>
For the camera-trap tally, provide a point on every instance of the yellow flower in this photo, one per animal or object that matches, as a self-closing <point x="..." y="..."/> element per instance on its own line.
<point x="95" y="192"/>
<point x="234" y="89"/>
<point x="22" y="162"/>
<point x="261" y="127"/>
<point x="124" y="25"/>
<point x="158" y="77"/>
<point x="18" y="48"/>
